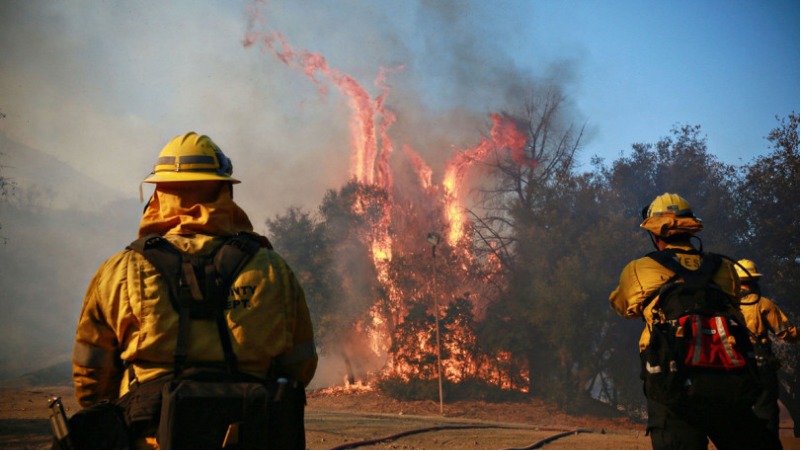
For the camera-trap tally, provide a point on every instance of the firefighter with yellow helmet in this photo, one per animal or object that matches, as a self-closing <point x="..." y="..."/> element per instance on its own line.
<point x="129" y="329"/>
<point x="763" y="318"/>
<point x="671" y="225"/>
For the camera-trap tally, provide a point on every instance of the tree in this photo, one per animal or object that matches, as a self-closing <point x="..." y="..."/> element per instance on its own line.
<point x="564" y="237"/>
<point x="769" y="209"/>
<point x="524" y="225"/>
<point x="679" y="163"/>
<point x="302" y="240"/>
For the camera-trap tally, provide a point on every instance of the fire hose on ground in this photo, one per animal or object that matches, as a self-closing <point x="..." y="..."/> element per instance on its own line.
<point x="536" y="445"/>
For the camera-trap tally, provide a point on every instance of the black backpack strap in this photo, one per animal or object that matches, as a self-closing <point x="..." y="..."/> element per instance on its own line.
<point x="695" y="278"/>
<point x="190" y="293"/>
<point x="233" y="256"/>
<point x="193" y="299"/>
<point x="756" y="289"/>
<point x="745" y="294"/>
<point x="710" y="263"/>
<point x="696" y="288"/>
<point x="228" y="262"/>
<point x="167" y="260"/>
<point x="667" y="259"/>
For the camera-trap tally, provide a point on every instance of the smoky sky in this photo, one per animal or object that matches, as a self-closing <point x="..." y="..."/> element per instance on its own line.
<point x="91" y="91"/>
<point x="102" y="86"/>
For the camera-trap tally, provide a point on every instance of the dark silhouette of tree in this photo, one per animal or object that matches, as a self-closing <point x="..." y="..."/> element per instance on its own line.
<point x="302" y="240"/>
<point x="529" y="223"/>
<point x="524" y="297"/>
<point x="413" y="343"/>
<point x="768" y="206"/>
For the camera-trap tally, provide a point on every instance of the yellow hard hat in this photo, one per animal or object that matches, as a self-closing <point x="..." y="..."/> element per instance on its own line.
<point x="670" y="214"/>
<point x="746" y="265"/>
<point x="669" y="204"/>
<point x="191" y="157"/>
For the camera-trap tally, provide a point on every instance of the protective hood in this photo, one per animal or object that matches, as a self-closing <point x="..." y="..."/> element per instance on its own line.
<point x="193" y="207"/>
<point x="669" y="225"/>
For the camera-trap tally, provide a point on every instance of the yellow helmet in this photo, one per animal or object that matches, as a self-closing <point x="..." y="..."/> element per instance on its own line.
<point x="191" y="157"/>
<point x="670" y="214"/>
<point x="746" y="265"/>
<point x="669" y="204"/>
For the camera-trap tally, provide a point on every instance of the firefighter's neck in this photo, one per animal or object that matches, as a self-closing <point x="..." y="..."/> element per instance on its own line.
<point x="659" y="243"/>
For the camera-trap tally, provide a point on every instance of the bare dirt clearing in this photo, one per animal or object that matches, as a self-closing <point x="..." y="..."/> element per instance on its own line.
<point x="340" y="418"/>
<point x="498" y="425"/>
<point x="337" y="419"/>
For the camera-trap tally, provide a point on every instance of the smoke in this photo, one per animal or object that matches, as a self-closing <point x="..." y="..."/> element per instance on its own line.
<point x="102" y="86"/>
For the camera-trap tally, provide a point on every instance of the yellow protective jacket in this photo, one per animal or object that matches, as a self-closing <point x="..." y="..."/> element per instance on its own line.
<point x="763" y="316"/>
<point x="642" y="277"/>
<point x="127" y="316"/>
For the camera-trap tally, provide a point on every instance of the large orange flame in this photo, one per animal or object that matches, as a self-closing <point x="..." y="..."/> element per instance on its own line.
<point x="422" y="169"/>
<point x="372" y="149"/>
<point x="504" y="135"/>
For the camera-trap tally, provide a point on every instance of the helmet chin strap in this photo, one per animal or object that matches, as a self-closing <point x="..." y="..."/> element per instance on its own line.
<point x="700" y="243"/>
<point x="653" y="240"/>
<point x="148" y="203"/>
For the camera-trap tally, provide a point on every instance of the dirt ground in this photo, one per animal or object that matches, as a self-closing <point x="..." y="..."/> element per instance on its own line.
<point x="341" y="418"/>
<point x="352" y="419"/>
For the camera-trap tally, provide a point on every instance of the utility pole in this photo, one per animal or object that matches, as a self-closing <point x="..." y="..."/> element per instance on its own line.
<point x="434" y="239"/>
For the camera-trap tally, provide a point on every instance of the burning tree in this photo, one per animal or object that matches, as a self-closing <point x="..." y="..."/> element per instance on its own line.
<point x="519" y="286"/>
<point x="385" y="300"/>
<point x="528" y="222"/>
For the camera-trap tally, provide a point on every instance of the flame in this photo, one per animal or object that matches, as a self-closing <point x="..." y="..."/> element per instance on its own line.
<point x="369" y="142"/>
<point x="377" y="333"/>
<point x="347" y="388"/>
<point x="504" y="135"/>
<point x="422" y="169"/>
<point x="372" y="149"/>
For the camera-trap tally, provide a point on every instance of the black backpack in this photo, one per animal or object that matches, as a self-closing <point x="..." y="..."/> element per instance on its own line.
<point x="208" y="407"/>
<point x="699" y="354"/>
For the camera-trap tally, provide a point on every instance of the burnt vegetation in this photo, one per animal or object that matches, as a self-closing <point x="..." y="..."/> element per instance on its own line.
<point x="520" y="301"/>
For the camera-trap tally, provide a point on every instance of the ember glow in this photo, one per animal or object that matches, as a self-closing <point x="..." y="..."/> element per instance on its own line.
<point x="404" y="220"/>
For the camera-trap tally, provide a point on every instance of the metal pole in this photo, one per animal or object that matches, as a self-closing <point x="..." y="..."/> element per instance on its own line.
<point x="436" y="321"/>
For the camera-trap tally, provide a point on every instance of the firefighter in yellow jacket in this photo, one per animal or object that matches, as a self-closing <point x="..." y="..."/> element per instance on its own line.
<point x="126" y="334"/>
<point x="763" y="316"/>
<point x="671" y="224"/>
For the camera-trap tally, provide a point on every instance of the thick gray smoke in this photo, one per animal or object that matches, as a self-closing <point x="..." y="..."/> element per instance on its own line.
<point x="92" y="91"/>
